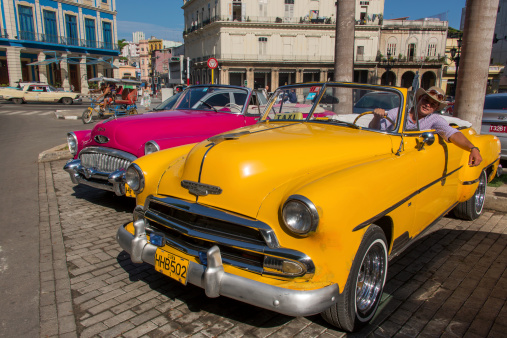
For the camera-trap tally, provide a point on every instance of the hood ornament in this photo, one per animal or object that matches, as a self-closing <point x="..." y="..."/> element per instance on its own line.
<point x="200" y="189"/>
<point x="223" y="137"/>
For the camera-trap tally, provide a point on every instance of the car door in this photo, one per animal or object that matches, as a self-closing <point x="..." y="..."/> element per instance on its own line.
<point x="31" y="93"/>
<point x="436" y="175"/>
<point x="45" y="95"/>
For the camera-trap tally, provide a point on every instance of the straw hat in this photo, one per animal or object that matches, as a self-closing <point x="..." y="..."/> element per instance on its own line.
<point x="436" y="93"/>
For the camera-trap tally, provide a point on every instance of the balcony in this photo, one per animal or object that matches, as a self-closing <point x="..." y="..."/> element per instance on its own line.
<point x="64" y="40"/>
<point x="261" y="19"/>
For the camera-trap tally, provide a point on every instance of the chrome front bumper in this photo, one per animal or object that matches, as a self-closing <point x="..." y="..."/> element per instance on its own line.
<point x="216" y="282"/>
<point x="114" y="181"/>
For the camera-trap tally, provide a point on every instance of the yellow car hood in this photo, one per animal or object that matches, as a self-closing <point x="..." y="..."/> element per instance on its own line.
<point x="247" y="167"/>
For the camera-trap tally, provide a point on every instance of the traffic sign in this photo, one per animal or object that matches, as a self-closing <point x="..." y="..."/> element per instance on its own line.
<point x="212" y="63"/>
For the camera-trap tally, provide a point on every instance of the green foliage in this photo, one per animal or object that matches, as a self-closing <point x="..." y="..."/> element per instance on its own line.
<point x="121" y="43"/>
<point x="498" y="181"/>
<point x="454" y="33"/>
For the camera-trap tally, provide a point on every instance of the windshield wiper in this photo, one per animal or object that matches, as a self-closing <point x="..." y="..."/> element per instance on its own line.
<point x="209" y="105"/>
<point x="348" y="124"/>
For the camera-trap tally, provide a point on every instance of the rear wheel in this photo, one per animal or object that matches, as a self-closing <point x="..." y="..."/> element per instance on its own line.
<point x="87" y="116"/>
<point x="18" y="101"/>
<point x="361" y="296"/>
<point x="472" y="209"/>
<point x="66" y="101"/>
<point x="132" y="111"/>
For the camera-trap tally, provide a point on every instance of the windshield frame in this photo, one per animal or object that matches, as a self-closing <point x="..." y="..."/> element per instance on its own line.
<point x="324" y="85"/>
<point x="247" y="90"/>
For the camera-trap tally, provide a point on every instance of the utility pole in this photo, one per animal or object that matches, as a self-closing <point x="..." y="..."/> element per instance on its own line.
<point x="344" y="49"/>
<point x="480" y="20"/>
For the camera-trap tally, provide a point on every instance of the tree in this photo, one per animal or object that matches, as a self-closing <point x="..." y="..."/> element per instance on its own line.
<point x="122" y="43"/>
<point x="480" y="20"/>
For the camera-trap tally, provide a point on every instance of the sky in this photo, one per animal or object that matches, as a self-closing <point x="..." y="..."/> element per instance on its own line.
<point x="164" y="18"/>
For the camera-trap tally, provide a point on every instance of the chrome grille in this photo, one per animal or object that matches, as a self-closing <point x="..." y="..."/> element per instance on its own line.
<point x="105" y="159"/>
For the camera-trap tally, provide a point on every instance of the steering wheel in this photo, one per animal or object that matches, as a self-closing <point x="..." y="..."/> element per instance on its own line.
<point x="371" y="112"/>
<point x="235" y="106"/>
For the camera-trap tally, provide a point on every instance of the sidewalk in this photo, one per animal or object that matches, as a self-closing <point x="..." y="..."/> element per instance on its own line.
<point x="451" y="282"/>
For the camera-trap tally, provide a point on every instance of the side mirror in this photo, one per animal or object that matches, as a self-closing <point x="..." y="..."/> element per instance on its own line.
<point x="426" y="138"/>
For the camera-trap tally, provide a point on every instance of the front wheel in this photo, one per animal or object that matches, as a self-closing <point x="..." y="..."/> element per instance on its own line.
<point x="472" y="209"/>
<point x="361" y="296"/>
<point x="132" y="111"/>
<point x="87" y="116"/>
<point x="18" y="101"/>
<point x="67" y="101"/>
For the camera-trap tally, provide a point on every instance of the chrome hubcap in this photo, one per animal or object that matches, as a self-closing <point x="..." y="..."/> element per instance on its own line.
<point x="371" y="278"/>
<point x="480" y="194"/>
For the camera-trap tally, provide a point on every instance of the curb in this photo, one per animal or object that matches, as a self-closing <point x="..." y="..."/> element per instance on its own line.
<point x="55" y="153"/>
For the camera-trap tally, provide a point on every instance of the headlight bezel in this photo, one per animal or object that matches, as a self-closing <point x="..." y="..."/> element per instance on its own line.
<point x="72" y="135"/>
<point x="151" y="144"/>
<point x="134" y="167"/>
<point x="309" y="207"/>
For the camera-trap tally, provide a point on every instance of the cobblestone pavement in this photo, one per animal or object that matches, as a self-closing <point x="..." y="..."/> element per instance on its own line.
<point x="452" y="282"/>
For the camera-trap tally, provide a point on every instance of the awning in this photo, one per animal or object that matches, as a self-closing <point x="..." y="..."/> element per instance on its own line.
<point x="286" y="71"/>
<point x="112" y="80"/>
<point x="107" y="62"/>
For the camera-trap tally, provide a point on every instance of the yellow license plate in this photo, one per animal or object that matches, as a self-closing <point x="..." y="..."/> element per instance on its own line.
<point x="129" y="192"/>
<point x="171" y="265"/>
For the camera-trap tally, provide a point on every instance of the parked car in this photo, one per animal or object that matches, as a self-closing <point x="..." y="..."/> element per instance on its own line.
<point x="494" y="119"/>
<point x="300" y="213"/>
<point x="38" y="92"/>
<point x="101" y="155"/>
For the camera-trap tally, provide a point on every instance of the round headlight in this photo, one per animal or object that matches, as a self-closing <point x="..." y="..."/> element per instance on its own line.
<point x="300" y="215"/>
<point x="72" y="142"/>
<point x="151" y="147"/>
<point x="134" y="178"/>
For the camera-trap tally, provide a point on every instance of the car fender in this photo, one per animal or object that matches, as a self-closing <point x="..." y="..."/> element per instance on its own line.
<point x="155" y="165"/>
<point x="344" y="199"/>
<point x="83" y="140"/>
<point x="490" y="148"/>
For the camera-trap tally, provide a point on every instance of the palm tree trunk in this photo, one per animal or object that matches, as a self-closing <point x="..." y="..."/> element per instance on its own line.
<point x="480" y="19"/>
<point x="344" y="49"/>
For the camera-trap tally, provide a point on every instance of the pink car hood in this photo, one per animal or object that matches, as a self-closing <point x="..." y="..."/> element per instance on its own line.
<point x="168" y="129"/>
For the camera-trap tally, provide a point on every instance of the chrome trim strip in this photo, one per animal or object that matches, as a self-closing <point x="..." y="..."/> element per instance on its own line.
<point x="388" y="210"/>
<point x="217" y="282"/>
<point x="212" y="213"/>
<point x="485" y="169"/>
<point x="108" y="151"/>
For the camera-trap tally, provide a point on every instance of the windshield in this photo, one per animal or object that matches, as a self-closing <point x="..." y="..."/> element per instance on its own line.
<point x="215" y="98"/>
<point x="168" y="104"/>
<point x="333" y="103"/>
<point x="495" y="101"/>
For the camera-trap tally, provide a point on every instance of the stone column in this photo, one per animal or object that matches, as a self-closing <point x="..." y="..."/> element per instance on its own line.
<point x="14" y="65"/>
<point x="116" y="71"/>
<point x="64" y="72"/>
<point x="100" y="70"/>
<point x="299" y="75"/>
<point x="84" y="77"/>
<point x="43" y="69"/>
<point x="274" y="79"/>
<point x="250" y="77"/>
<point x="224" y="75"/>
<point x="323" y="75"/>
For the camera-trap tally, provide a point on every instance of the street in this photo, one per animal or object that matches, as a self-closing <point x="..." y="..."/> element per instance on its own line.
<point x="63" y="273"/>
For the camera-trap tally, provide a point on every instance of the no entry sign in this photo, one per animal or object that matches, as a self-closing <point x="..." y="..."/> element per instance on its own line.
<point x="212" y="63"/>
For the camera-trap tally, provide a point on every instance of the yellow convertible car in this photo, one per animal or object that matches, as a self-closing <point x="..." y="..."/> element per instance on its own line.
<point x="301" y="212"/>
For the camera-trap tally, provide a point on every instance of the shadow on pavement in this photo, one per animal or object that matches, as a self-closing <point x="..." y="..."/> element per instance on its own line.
<point x="104" y="198"/>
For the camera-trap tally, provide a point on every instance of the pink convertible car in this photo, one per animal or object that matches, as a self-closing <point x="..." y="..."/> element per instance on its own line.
<point x="101" y="155"/>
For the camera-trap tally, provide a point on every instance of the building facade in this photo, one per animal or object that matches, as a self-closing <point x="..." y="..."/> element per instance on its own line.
<point x="137" y="36"/>
<point x="260" y="42"/>
<point x="59" y="42"/>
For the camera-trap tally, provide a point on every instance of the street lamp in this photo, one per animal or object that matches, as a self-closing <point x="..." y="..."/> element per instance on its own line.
<point x="455" y="56"/>
<point x="388" y="65"/>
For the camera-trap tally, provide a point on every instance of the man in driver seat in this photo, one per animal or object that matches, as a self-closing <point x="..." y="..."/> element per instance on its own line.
<point x="428" y="102"/>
